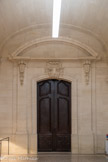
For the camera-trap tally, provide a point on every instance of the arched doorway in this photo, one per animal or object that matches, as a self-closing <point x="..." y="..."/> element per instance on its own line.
<point x="54" y="115"/>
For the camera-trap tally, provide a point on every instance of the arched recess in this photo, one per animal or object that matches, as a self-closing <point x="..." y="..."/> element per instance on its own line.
<point x="41" y="31"/>
<point x="19" y="53"/>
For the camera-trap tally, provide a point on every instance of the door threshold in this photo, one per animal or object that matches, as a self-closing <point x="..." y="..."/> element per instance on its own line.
<point x="54" y="153"/>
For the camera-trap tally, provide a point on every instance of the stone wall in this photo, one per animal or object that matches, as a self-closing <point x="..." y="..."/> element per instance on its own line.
<point x="18" y="105"/>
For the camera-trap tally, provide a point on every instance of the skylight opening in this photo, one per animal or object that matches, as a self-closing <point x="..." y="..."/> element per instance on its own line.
<point x="56" y="17"/>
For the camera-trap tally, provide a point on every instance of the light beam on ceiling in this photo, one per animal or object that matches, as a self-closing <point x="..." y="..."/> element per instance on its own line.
<point x="56" y="17"/>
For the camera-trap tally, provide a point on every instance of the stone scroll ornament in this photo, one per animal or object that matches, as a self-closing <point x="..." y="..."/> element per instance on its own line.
<point x="22" y="66"/>
<point x="54" y="69"/>
<point x="87" y="66"/>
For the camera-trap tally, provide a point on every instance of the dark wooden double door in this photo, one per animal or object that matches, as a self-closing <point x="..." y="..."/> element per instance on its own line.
<point x="54" y="116"/>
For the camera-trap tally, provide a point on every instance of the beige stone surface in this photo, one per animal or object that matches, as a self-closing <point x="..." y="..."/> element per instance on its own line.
<point x="19" y="106"/>
<point x="81" y="51"/>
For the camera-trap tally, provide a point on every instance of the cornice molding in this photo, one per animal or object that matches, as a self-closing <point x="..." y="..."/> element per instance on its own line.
<point x="53" y="59"/>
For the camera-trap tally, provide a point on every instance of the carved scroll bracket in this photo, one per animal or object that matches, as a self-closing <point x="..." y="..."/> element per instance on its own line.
<point x="87" y="66"/>
<point x="54" y="69"/>
<point x="22" y="66"/>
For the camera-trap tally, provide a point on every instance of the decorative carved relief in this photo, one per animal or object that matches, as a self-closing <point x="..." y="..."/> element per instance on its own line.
<point x="54" y="69"/>
<point x="87" y="66"/>
<point x="22" y="66"/>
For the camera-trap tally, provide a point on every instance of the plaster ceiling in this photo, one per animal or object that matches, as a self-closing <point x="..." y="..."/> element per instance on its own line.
<point x="85" y="15"/>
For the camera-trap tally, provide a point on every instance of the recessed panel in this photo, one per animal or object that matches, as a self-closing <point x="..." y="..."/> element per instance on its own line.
<point x="63" y="89"/>
<point x="45" y="115"/>
<point x="45" y="89"/>
<point x="45" y="143"/>
<point x="63" y="115"/>
<point x="63" y="142"/>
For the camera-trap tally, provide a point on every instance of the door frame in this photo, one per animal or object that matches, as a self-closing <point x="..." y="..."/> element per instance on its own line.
<point x="74" y="104"/>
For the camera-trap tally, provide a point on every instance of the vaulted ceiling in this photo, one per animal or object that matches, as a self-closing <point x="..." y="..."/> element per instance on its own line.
<point x="84" y="22"/>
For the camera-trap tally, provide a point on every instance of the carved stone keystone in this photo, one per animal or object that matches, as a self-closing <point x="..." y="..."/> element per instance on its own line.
<point x="54" y="69"/>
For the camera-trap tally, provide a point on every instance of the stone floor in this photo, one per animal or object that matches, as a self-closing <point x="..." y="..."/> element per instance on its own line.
<point x="55" y="158"/>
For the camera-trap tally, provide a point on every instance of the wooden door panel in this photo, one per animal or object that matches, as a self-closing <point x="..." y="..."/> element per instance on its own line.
<point x="45" y="143"/>
<point x="45" y="115"/>
<point x="44" y="89"/>
<point x="54" y="115"/>
<point x="63" y="115"/>
<point x="63" y="142"/>
<point x="63" y="88"/>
